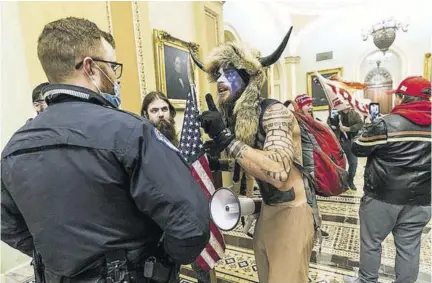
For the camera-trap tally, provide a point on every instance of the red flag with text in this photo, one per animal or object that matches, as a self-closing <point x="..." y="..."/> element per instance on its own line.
<point x="338" y="96"/>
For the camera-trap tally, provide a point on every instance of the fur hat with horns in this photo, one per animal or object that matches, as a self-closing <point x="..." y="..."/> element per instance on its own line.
<point x="251" y="67"/>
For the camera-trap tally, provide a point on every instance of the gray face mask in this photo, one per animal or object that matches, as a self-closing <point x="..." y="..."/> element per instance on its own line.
<point x="113" y="99"/>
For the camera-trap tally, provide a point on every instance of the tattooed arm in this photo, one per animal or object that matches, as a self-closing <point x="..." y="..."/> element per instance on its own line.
<point x="272" y="164"/>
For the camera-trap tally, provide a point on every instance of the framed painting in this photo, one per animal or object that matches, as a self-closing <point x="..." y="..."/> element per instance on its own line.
<point x="172" y="57"/>
<point x="319" y="99"/>
<point x="427" y="67"/>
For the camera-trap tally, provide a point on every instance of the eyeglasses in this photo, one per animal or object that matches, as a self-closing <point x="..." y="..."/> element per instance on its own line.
<point x="115" y="66"/>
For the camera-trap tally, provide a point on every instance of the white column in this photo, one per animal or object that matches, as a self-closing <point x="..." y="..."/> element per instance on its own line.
<point x="291" y="63"/>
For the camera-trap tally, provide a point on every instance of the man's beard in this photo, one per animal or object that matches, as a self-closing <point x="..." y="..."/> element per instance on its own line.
<point x="227" y="109"/>
<point x="167" y="128"/>
<point x="106" y="85"/>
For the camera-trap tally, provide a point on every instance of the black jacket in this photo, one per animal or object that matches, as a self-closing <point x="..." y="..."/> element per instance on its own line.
<point x="398" y="168"/>
<point x="81" y="179"/>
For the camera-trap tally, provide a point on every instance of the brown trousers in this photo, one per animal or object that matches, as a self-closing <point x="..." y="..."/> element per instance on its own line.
<point x="283" y="242"/>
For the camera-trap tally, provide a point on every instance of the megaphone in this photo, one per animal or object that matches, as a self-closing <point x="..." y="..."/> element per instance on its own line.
<point x="226" y="209"/>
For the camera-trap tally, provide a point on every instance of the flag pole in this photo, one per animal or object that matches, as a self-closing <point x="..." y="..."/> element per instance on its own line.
<point x="318" y="75"/>
<point x="191" y="80"/>
<point x="212" y="272"/>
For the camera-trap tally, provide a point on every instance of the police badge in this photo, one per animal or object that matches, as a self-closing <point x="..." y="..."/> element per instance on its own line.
<point x="161" y="138"/>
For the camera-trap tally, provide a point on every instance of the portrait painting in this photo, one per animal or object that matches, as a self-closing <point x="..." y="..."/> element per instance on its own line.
<point x="177" y="83"/>
<point x="172" y="59"/>
<point x="319" y="99"/>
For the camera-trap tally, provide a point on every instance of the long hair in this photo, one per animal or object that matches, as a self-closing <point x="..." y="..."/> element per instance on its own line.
<point x="152" y="96"/>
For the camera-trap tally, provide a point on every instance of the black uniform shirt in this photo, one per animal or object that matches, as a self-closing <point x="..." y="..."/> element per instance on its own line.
<point x="82" y="179"/>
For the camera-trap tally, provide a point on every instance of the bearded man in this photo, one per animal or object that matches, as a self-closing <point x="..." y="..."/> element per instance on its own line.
<point x="157" y="108"/>
<point x="263" y="137"/>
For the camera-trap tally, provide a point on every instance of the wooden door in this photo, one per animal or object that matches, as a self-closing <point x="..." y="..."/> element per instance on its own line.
<point x="379" y="95"/>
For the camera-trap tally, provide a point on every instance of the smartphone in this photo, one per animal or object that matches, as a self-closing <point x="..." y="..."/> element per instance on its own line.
<point x="374" y="111"/>
<point x="334" y="118"/>
<point x="333" y="114"/>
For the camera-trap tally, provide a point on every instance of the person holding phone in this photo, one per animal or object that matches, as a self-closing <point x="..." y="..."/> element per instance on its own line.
<point x="374" y="111"/>
<point x="333" y="120"/>
<point x="397" y="194"/>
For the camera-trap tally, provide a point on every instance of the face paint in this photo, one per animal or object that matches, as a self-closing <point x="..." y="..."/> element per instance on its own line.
<point x="234" y="79"/>
<point x="230" y="84"/>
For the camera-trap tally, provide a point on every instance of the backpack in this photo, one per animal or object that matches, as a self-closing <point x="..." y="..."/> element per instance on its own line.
<point x="323" y="157"/>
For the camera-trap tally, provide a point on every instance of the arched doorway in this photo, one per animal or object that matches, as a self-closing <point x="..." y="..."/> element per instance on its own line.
<point x="378" y="82"/>
<point x="381" y="72"/>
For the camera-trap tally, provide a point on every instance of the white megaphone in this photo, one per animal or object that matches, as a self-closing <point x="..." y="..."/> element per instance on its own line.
<point x="226" y="209"/>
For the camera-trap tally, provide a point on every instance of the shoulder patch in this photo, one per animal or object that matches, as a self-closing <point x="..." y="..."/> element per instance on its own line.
<point x="161" y="138"/>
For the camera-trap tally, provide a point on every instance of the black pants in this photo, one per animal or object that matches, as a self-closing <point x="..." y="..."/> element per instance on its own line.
<point x="352" y="160"/>
<point x="94" y="277"/>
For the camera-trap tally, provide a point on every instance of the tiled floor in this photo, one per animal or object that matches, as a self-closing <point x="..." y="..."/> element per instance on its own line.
<point x="339" y="254"/>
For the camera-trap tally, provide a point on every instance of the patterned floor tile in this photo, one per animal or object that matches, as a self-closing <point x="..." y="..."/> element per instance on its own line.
<point x="339" y="254"/>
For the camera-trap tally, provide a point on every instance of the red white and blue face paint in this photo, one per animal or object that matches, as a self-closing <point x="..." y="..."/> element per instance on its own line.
<point x="230" y="85"/>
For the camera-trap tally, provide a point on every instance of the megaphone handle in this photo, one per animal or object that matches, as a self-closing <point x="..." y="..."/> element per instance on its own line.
<point x="236" y="173"/>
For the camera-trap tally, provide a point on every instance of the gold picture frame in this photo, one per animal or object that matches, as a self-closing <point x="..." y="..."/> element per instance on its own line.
<point x="319" y="99"/>
<point x="167" y="47"/>
<point x="427" y="67"/>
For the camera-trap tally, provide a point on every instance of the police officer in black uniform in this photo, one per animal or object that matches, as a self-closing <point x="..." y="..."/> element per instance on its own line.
<point x="98" y="192"/>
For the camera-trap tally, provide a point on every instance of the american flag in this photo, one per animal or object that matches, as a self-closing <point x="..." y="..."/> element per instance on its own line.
<point x="191" y="147"/>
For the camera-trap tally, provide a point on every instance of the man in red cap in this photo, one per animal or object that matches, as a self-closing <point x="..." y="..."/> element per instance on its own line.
<point x="397" y="98"/>
<point x="397" y="189"/>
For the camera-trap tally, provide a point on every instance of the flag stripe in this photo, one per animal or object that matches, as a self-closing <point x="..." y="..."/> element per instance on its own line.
<point x="203" y="176"/>
<point x="208" y="259"/>
<point x="211" y="252"/>
<point x="218" y="235"/>
<point x="216" y="245"/>
<point x="199" y="180"/>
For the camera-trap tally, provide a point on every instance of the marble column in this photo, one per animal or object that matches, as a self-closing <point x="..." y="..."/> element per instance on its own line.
<point x="291" y="66"/>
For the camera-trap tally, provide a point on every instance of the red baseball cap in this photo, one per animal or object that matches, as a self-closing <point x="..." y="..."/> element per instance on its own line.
<point x="414" y="86"/>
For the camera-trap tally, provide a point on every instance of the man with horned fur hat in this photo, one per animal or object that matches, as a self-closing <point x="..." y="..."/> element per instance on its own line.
<point x="264" y="138"/>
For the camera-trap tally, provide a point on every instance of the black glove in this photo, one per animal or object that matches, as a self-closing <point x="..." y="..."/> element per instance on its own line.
<point x="213" y="124"/>
<point x="214" y="163"/>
